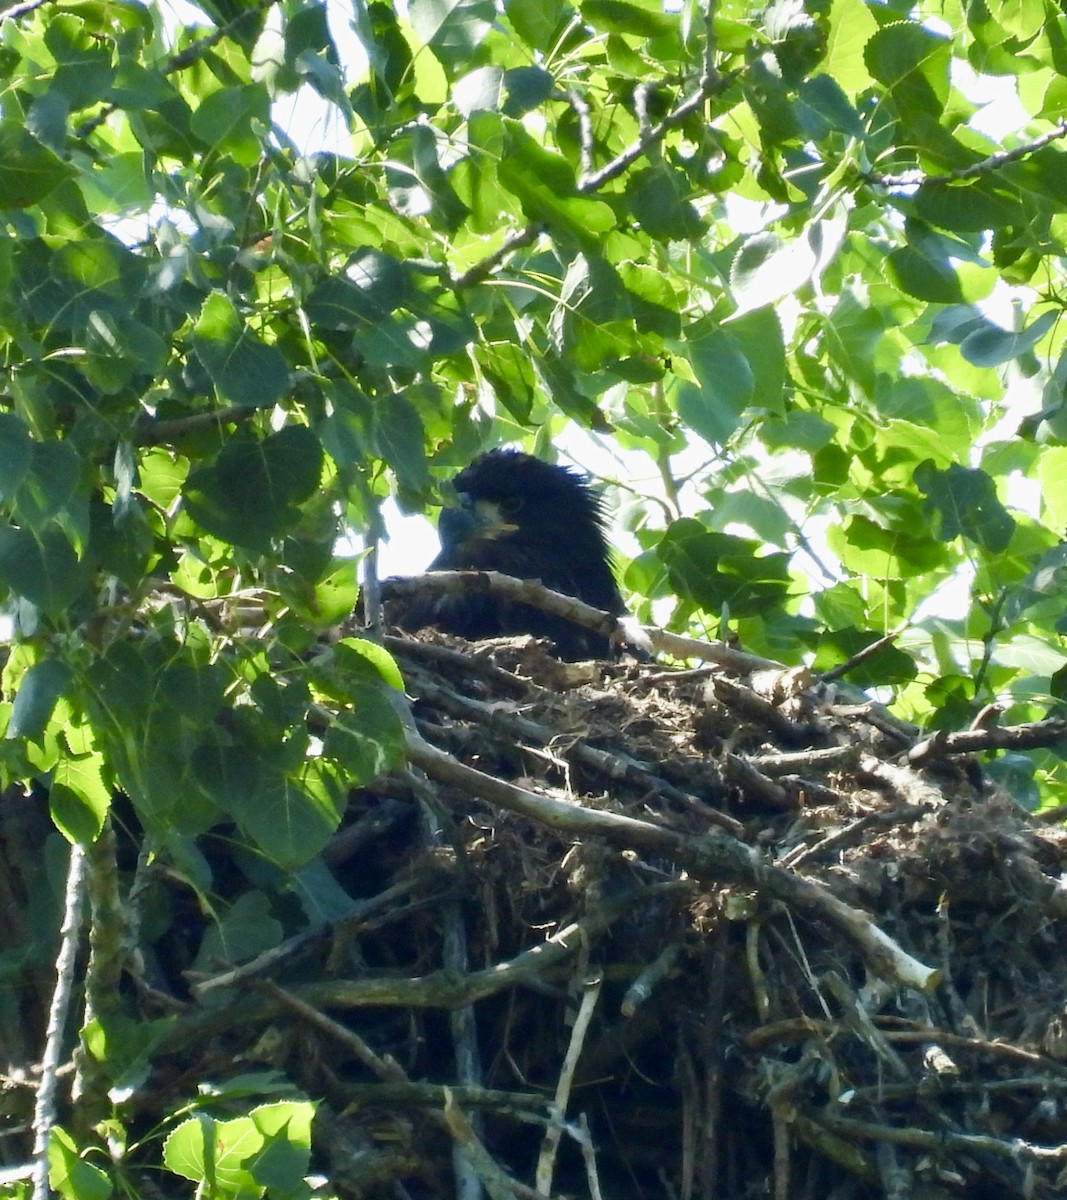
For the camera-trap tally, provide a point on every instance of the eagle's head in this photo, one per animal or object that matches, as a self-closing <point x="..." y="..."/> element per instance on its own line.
<point x="506" y="495"/>
<point x="531" y="519"/>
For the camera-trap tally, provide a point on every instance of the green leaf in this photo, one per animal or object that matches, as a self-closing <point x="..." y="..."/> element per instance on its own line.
<point x="912" y="61"/>
<point x="452" y="29"/>
<point x="477" y="91"/>
<point x="866" y="548"/>
<point x="28" y="171"/>
<point x="69" y="1174"/>
<point x="245" y="369"/>
<point x="286" y="821"/>
<point x="766" y="269"/>
<point x="887" y="665"/>
<point x="212" y="1154"/>
<point x="647" y="20"/>
<point x="250" y="494"/>
<point x="1052" y="475"/>
<point x="16" y="454"/>
<point x="851" y="26"/>
<point x="923" y="274"/>
<point x="79" y="799"/>
<point x="44" y="569"/>
<point x="989" y="346"/>
<point x="971" y="206"/>
<point x="658" y="199"/>
<point x="38" y="691"/>
<point x="50" y="487"/>
<point x="83" y="60"/>
<point x="508" y="368"/>
<point x="758" y="336"/>
<point x="537" y="21"/>
<point x="964" y="502"/>
<point x="399" y="439"/>
<point x="525" y="88"/>
<point x="373" y="285"/>
<point x="726" y="384"/>
<point x="544" y="183"/>
<point x="150" y="707"/>
<point x="245" y="930"/>
<point x="361" y="659"/>
<point x="717" y="570"/>
<point x="652" y="299"/>
<point x="283" y="1162"/>
<point x="558" y="378"/>
<point x="1033" y="655"/>
<point x="227" y="119"/>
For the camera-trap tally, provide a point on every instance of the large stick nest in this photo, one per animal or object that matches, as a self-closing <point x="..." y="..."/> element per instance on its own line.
<point x="629" y="930"/>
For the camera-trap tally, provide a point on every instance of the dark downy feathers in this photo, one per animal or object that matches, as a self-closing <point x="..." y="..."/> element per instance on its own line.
<point x="531" y="519"/>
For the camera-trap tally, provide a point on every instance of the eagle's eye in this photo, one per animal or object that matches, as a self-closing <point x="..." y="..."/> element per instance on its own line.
<point x="510" y="508"/>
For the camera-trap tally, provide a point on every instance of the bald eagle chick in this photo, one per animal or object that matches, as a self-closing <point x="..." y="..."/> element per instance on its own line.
<point x="530" y="519"/>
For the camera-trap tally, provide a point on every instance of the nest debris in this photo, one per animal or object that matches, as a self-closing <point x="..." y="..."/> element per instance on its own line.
<point x="622" y="930"/>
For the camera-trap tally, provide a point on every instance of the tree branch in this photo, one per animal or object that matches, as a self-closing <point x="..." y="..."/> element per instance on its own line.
<point x="44" y="1112"/>
<point x="711" y="82"/>
<point x="534" y="593"/>
<point x="986" y="166"/>
<point x="154" y="431"/>
<point x="1031" y="736"/>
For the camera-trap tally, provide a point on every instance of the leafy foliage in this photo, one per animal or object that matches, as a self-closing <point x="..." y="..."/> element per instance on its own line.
<point x="766" y="256"/>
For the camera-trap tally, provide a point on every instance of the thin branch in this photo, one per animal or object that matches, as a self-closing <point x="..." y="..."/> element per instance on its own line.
<point x="183" y="59"/>
<point x="938" y="1140"/>
<point x="438" y="990"/>
<point x="108" y="944"/>
<point x="21" y="10"/>
<point x="530" y="591"/>
<point x="522" y="730"/>
<point x="387" y="1069"/>
<point x="546" y="1160"/>
<point x="585" y="128"/>
<point x="1034" y="735"/>
<point x="514" y="241"/>
<point x="372" y="587"/>
<point x="711" y="83"/>
<point x="715" y="856"/>
<point x="155" y="431"/>
<point x="44" y="1111"/>
<point x="861" y="656"/>
<point x="986" y="166"/>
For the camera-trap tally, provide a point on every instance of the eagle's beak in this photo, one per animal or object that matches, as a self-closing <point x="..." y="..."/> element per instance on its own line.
<point x="473" y="520"/>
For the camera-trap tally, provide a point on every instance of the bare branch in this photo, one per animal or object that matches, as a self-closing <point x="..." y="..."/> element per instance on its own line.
<point x="155" y="431"/>
<point x="1031" y="736"/>
<point x="44" y="1112"/>
<point x="986" y="166"/>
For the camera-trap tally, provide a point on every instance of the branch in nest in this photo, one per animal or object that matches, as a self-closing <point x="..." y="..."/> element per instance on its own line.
<point x="716" y="857"/>
<point x="621" y="629"/>
<point x="1031" y="736"/>
<point x="613" y="764"/>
